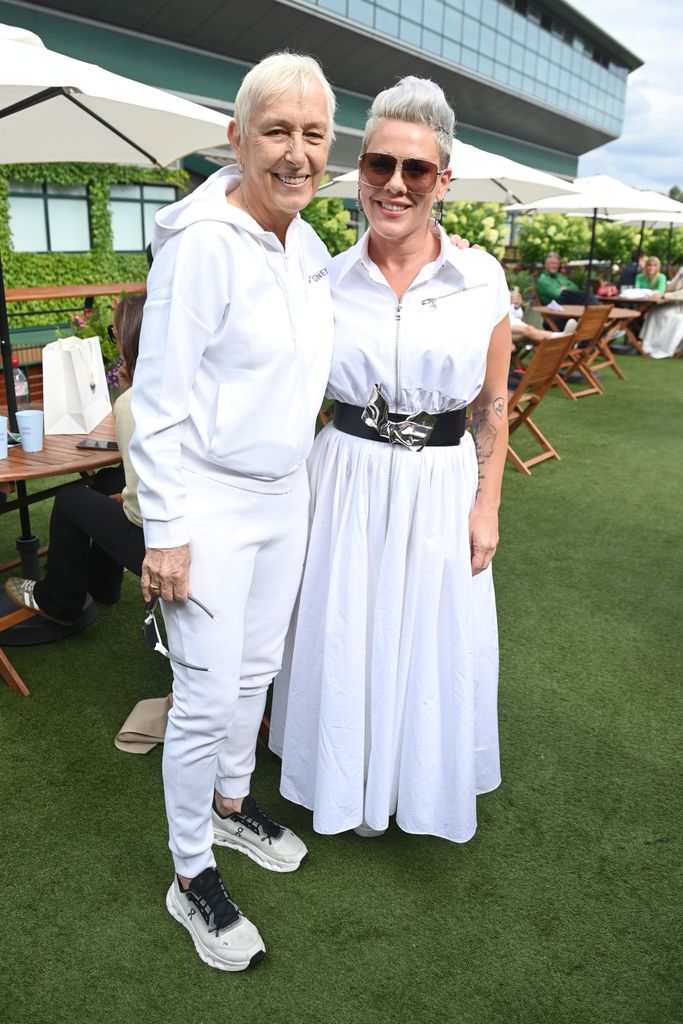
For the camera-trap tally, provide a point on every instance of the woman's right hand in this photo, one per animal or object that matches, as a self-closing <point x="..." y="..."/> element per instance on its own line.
<point x="166" y="571"/>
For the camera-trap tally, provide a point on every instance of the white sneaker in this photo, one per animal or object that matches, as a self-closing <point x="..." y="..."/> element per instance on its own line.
<point x="252" y="832"/>
<point x="570" y="326"/>
<point x="222" y="936"/>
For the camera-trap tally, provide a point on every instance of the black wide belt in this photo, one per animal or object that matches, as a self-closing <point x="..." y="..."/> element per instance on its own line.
<point x="446" y="428"/>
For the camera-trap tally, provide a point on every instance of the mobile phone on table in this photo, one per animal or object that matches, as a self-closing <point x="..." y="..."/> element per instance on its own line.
<point x="92" y="442"/>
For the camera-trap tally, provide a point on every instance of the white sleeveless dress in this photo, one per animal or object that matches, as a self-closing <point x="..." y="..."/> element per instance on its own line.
<point x="387" y="703"/>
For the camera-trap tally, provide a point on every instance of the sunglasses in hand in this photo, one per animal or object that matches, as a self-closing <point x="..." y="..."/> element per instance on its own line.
<point x="152" y="637"/>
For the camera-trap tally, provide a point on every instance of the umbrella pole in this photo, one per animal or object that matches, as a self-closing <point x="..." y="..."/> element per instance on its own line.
<point x="590" y="254"/>
<point x="27" y="543"/>
<point x="6" y="349"/>
<point x="668" y="248"/>
<point x="642" y="233"/>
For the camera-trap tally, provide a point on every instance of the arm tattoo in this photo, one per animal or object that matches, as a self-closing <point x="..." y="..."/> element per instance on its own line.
<point x="484" y="434"/>
<point x="499" y="407"/>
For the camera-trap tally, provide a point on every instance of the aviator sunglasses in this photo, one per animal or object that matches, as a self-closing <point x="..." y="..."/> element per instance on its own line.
<point x="150" y="631"/>
<point x="418" y="175"/>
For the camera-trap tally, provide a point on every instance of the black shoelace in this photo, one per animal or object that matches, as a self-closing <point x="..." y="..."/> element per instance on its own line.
<point x="255" y="819"/>
<point x="213" y="900"/>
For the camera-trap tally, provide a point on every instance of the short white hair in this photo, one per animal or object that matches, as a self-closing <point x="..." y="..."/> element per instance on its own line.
<point x="274" y="75"/>
<point x="418" y="101"/>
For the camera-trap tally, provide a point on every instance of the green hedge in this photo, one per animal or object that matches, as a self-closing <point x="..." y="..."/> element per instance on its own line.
<point x="101" y="263"/>
<point x="570" y="237"/>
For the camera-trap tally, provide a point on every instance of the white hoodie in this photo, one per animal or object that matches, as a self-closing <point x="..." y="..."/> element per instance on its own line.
<point x="235" y="352"/>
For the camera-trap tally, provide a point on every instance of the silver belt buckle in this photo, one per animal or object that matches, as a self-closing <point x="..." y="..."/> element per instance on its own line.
<point x="413" y="432"/>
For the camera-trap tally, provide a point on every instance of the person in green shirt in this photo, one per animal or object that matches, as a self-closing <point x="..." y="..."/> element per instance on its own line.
<point x="551" y="284"/>
<point x="651" y="276"/>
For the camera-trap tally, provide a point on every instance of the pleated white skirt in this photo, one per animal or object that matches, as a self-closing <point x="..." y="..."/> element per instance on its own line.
<point x="387" y="701"/>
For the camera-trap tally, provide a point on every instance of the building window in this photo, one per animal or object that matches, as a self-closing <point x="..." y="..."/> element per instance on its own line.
<point x="361" y="10"/>
<point x="48" y="218"/>
<point x="132" y="209"/>
<point x="410" y="32"/>
<point x="385" y="22"/>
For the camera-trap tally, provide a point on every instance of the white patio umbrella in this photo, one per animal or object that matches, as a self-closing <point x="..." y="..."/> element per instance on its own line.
<point x="652" y="219"/>
<point x="600" y="194"/>
<point x="54" y="108"/>
<point x="478" y="177"/>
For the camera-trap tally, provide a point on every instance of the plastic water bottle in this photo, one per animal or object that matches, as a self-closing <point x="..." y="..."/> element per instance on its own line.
<point x="20" y="384"/>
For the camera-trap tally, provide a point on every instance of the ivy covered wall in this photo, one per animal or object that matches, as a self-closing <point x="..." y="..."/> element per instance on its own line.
<point x="101" y="263"/>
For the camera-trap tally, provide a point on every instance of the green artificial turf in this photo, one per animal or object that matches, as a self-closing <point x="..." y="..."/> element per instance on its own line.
<point x="561" y="909"/>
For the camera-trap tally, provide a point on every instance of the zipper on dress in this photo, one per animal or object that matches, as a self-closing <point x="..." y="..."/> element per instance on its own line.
<point x="397" y="391"/>
<point x="432" y="300"/>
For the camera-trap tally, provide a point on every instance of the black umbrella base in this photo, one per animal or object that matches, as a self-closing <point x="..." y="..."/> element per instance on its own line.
<point x="39" y="630"/>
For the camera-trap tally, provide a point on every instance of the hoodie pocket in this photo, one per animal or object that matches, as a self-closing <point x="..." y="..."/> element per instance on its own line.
<point x="250" y="434"/>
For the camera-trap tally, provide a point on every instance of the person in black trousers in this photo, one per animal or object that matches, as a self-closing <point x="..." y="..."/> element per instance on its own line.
<point x="94" y="531"/>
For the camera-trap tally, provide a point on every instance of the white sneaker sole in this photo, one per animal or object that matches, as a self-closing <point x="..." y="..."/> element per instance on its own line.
<point x="262" y="859"/>
<point x="205" y="954"/>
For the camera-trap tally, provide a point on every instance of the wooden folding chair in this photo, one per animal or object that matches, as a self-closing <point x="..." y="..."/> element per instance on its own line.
<point x="538" y="377"/>
<point x="7" y="669"/>
<point x="588" y="333"/>
<point x="603" y="356"/>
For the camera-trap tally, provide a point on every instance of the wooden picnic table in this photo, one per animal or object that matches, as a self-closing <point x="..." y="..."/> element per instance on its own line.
<point x="640" y="306"/>
<point x="557" y="317"/>
<point x="59" y="457"/>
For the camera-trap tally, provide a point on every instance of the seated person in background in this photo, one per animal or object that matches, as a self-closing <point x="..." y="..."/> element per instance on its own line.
<point x="551" y="284"/>
<point x="523" y="332"/>
<point x="94" y="531"/>
<point x="651" y="276"/>
<point x="627" y="278"/>
<point x="663" y="333"/>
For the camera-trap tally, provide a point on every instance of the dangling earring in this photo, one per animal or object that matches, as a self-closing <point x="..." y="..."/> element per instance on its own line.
<point x="359" y="203"/>
<point x="240" y="167"/>
<point x="438" y="211"/>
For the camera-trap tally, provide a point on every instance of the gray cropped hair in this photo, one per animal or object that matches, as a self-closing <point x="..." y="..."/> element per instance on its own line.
<point x="274" y="75"/>
<point x="419" y="101"/>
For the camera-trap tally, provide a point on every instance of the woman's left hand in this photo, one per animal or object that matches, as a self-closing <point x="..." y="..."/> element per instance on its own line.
<point x="483" y="538"/>
<point x="462" y="243"/>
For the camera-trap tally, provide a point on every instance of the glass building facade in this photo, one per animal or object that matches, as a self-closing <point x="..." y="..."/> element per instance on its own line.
<point x="514" y="44"/>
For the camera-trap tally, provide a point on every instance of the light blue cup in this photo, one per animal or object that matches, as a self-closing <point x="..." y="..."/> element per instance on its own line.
<point x="30" y="423"/>
<point x="3" y="437"/>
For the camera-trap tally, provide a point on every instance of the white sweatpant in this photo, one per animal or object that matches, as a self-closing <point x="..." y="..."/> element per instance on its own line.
<point x="247" y="551"/>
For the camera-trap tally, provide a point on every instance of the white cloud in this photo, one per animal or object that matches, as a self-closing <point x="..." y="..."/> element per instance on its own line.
<point x="649" y="153"/>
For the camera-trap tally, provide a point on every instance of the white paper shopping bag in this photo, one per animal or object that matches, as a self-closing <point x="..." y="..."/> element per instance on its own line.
<point x="75" y="394"/>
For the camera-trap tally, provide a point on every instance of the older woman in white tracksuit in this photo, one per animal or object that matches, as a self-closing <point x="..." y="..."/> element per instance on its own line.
<point x="234" y="356"/>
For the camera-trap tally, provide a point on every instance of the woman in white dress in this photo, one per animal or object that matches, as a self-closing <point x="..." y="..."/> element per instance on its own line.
<point x="392" y="689"/>
<point x="663" y="331"/>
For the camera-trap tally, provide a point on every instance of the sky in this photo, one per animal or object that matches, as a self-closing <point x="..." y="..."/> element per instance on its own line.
<point x="649" y="153"/>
